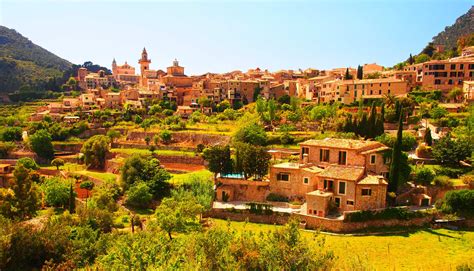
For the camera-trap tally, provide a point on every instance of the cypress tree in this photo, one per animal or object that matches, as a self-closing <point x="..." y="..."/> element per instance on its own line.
<point x="394" y="176"/>
<point x="363" y="125"/>
<point x="397" y="109"/>
<point x="360" y="72"/>
<point x="347" y="76"/>
<point x="379" y="130"/>
<point x="427" y="138"/>
<point x="72" y="200"/>
<point x="371" y="122"/>
<point x="411" y="60"/>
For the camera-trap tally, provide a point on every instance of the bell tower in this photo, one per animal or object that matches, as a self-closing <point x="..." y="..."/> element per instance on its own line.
<point x="144" y="66"/>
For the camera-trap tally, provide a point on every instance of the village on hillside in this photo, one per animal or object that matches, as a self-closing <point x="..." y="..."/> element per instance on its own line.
<point x="138" y="167"/>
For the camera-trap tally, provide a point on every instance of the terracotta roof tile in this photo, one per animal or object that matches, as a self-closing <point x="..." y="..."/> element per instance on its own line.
<point x="342" y="173"/>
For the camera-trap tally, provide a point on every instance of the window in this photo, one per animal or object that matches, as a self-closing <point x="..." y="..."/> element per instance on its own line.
<point x="372" y="159"/>
<point x="323" y="155"/>
<point x="342" y="157"/>
<point x="338" y="202"/>
<point x="366" y="192"/>
<point x="350" y="202"/>
<point x="306" y="180"/>
<point x="380" y="91"/>
<point x="285" y="177"/>
<point x="453" y="66"/>
<point x="328" y="184"/>
<point x="342" y="188"/>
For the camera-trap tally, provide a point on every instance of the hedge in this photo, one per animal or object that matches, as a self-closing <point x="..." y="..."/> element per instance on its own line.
<point x="389" y="213"/>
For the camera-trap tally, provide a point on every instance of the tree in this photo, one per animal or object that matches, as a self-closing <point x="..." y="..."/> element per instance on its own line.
<point x="11" y="134"/>
<point x="113" y="135"/>
<point x="27" y="163"/>
<point x="424" y="176"/>
<point x="57" y="162"/>
<point x="411" y="60"/>
<point x="56" y="192"/>
<point x="165" y="136"/>
<point x="6" y="148"/>
<point x="455" y="94"/>
<point x="218" y="159"/>
<point x="252" y="161"/>
<point x="178" y="213"/>
<point x="450" y="152"/>
<point x="427" y="137"/>
<point x="95" y="151"/>
<point x="271" y="105"/>
<point x="421" y="58"/>
<point x="138" y="195"/>
<point x="429" y="49"/>
<point x="136" y="168"/>
<point x="394" y="180"/>
<point x="347" y="76"/>
<point x="251" y="133"/>
<point x="285" y="99"/>
<point x="371" y="122"/>
<point x="256" y="93"/>
<point x="41" y="144"/>
<point x="88" y="186"/>
<point x="360" y="72"/>
<point x="72" y="199"/>
<point x="25" y="200"/>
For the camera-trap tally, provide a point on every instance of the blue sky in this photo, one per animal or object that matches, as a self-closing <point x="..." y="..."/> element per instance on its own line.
<point x="220" y="36"/>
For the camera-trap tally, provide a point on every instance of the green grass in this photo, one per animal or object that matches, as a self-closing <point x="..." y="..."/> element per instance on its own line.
<point x="81" y="169"/>
<point x="423" y="249"/>
<point x="180" y="179"/>
<point x="147" y="152"/>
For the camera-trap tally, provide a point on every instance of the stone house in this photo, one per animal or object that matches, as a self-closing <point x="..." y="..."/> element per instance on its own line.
<point x="331" y="175"/>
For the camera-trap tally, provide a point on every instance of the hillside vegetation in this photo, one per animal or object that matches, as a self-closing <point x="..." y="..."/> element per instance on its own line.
<point x="24" y="64"/>
<point x="463" y="26"/>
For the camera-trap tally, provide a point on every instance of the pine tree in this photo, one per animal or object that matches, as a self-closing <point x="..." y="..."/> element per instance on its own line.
<point x="427" y="138"/>
<point x="72" y="200"/>
<point x="394" y="174"/>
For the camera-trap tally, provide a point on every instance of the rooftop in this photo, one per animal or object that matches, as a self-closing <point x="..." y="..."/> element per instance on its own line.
<point x="373" y="179"/>
<point x="342" y="143"/>
<point x="342" y="172"/>
<point x="288" y="165"/>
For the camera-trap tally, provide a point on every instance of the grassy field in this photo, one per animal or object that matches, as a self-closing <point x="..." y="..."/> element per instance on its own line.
<point x="179" y="179"/>
<point x="423" y="249"/>
<point x="158" y="152"/>
<point x="81" y="169"/>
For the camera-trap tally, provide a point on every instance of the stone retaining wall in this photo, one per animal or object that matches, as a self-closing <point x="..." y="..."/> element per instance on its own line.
<point x="275" y="218"/>
<point x="317" y="223"/>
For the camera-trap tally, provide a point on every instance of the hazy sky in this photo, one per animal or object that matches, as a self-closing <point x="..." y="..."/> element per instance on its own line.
<point x="219" y="36"/>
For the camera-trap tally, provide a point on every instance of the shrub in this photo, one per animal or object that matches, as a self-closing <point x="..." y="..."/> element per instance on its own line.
<point x="276" y="197"/>
<point x="260" y="208"/>
<point x="450" y="172"/>
<point x="6" y="148"/>
<point x="468" y="179"/>
<point x="27" y="163"/>
<point x="165" y="136"/>
<point x="424" y="176"/>
<point x="389" y="213"/>
<point x="443" y="181"/>
<point x="286" y="138"/>
<point x="11" y="134"/>
<point x="138" y="195"/>
<point x="461" y="201"/>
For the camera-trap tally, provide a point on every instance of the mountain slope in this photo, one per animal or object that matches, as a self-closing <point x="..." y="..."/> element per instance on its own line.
<point x="24" y="64"/>
<point x="464" y="25"/>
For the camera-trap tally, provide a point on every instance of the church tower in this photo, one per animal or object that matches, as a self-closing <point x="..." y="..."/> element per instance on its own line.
<point x="114" y="67"/>
<point x="144" y="66"/>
